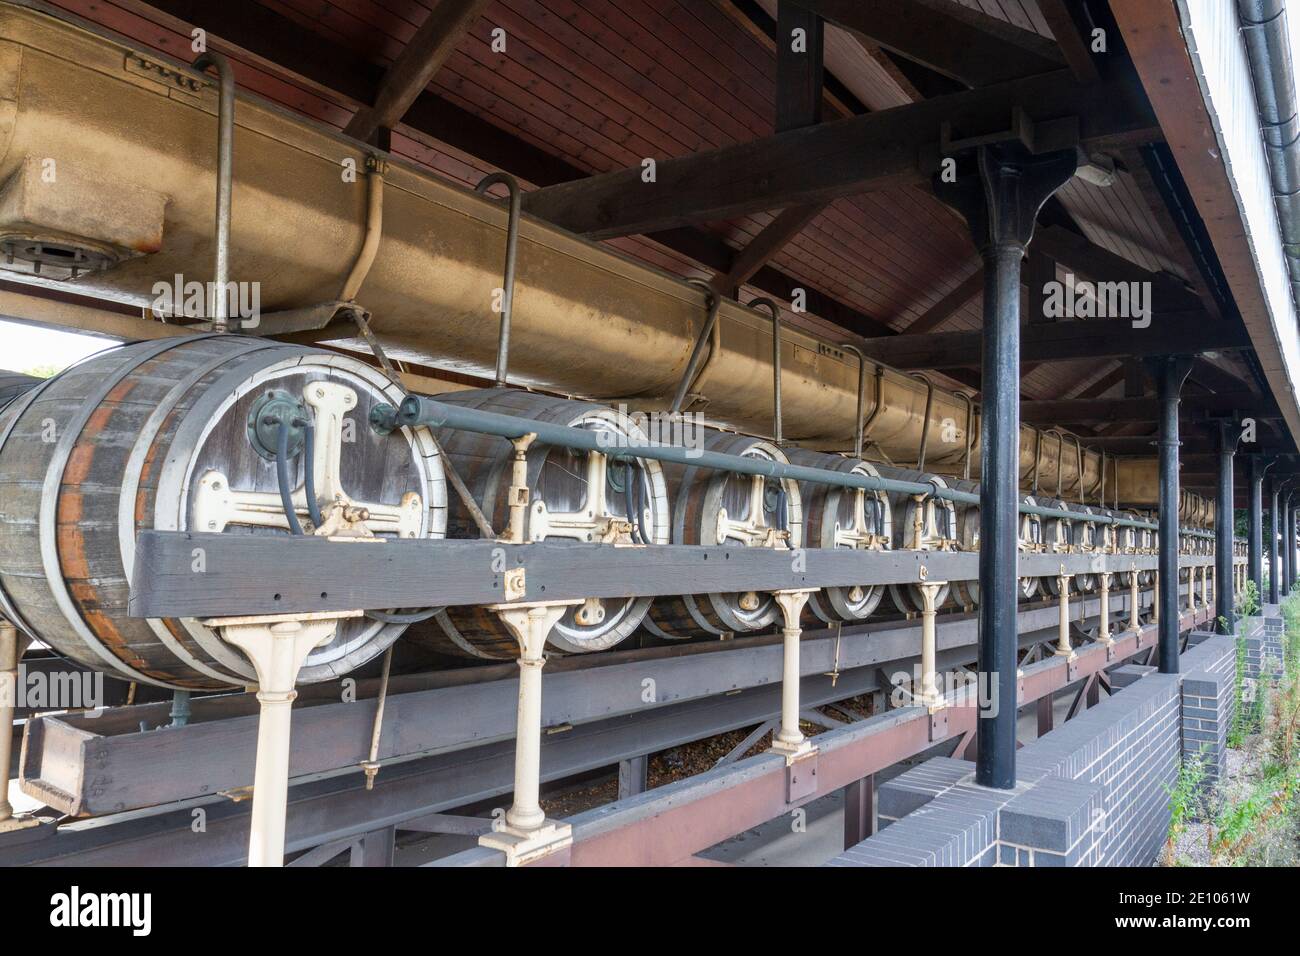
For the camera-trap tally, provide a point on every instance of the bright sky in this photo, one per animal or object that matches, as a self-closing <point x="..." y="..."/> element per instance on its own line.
<point x="23" y="346"/>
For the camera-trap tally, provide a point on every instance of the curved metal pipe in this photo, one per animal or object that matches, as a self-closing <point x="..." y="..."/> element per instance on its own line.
<point x="218" y="301"/>
<point x="970" y="433"/>
<point x="925" y="419"/>
<point x="508" y="282"/>
<point x="374" y="231"/>
<point x="1038" y="452"/>
<point x="693" y="371"/>
<point x="858" y="427"/>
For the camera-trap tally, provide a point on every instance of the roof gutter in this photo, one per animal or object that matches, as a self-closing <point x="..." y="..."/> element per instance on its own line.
<point x="1268" y="49"/>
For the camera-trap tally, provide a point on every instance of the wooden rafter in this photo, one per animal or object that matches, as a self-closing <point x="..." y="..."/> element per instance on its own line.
<point x="946" y="37"/>
<point x="824" y="162"/>
<point x="416" y="65"/>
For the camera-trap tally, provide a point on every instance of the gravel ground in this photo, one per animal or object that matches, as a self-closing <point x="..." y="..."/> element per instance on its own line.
<point x="678" y="763"/>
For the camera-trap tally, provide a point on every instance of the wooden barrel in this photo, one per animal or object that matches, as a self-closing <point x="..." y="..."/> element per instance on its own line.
<point x="929" y="524"/>
<point x="13" y="384"/>
<point x="707" y="504"/>
<point x="1059" y="536"/>
<point x="575" y="498"/>
<point x="842" y="518"/>
<point x="1029" y="541"/>
<point x="157" y="435"/>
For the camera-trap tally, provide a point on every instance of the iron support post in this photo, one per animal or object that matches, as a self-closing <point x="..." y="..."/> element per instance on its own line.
<point x="1000" y="205"/>
<point x="1169" y="372"/>
<point x="1272" y="549"/>
<point x="1255" y="524"/>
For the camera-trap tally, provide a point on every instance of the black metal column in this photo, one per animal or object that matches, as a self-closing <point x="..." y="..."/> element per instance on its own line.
<point x="1288" y="541"/>
<point x="1255" y="525"/>
<point x="1223" y="527"/>
<point x="1272" y="550"/>
<point x="1286" y="547"/>
<point x="1170" y="373"/>
<point x="1000" y="206"/>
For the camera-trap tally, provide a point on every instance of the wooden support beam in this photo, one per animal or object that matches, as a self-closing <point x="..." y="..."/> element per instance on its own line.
<point x="799" y="67"/>
<point x="1069" y="26"/>
<point x="824" y="162"/>
<point x="1185" y="333"/>
<point x="799" y="75"/>
<point x="1092" y="411"/>
<point x="416" y="65"/>
<point x="942" y="310"/>
<point x="1079" y="255"/>
<point x="945" y="36"/>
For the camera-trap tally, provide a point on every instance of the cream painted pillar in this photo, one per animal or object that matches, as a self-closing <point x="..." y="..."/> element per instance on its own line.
<point x="277" y="645"/>
<point x="1103" y="629"/>
<point x="526" y="834"/>
<point x="789" y="739"/>
<point x="12" y="646"/>
<point x="930" y="695"/>
<point x="1063" y="648"/>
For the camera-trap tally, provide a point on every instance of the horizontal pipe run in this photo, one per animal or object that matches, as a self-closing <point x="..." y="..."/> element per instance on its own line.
<point x="420" y="411"/>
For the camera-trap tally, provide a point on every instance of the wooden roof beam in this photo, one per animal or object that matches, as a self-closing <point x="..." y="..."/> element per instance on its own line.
<point x="1097" y="411"/>
<point x="415" y="67"/>
<point x="1066" y="20"/>
<point x="945" y="36"/>
<point x="1182" y="333"/>
<point x="821" y="163"/>
<point x="799" y="75"/>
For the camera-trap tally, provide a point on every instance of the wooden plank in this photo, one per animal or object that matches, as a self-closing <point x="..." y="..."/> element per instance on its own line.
<point x="952" y="39"/>
<point x="245" y="574"/>
<point x="1066" y="20"/>
<point x="799" y="74"/>
<point x="799" y="69"/>
<point x="830" y="160"/>
<point x="1183" y="333"/>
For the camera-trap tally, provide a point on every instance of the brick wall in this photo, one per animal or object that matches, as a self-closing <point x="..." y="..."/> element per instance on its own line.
<point x="1094" y="791"/>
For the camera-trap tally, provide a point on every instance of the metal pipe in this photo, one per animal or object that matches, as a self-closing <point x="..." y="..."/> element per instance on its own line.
<point x="970" y="433"/>
<point x="1078" y="455"/>
<point x="508" y="283"/>
<point x="218" y="301"/>
<point x="858" y="428"/>
<point x="1268" y="48"/>
<point x="925" y="420"/>
<point x="712" y="302"/>
<point x="419" y="410"/>
<point x="776" y="366"/>
<point x="374" y="231"/>
<point x="1038" y="461"/>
